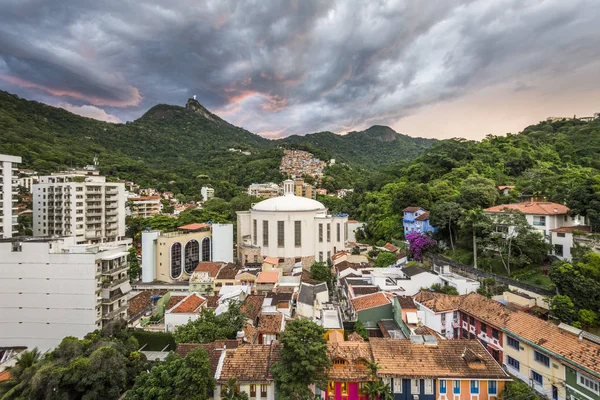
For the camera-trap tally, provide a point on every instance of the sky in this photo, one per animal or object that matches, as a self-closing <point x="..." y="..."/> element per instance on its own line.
<point x="436" y="69"/>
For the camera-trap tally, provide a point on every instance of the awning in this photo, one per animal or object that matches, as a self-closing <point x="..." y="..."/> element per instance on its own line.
<point x="493" y="346"/>
<point x="126" y="288"/>
<point x="115" y="256"/>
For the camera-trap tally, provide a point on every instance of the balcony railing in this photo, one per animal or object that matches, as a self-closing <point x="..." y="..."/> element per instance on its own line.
<point x="112" y="314"/>
<point x="113" y="298"/>
<point x="114" y="283"/>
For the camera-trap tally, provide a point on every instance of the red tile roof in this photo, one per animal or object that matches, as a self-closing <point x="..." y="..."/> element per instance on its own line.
<point x="369" y="301"/>
<point x="229" y="271"/>
<point x="172" y="301"/>
<point x="190" y="305"/>
<point x="354" y="354"/>
<point x="502" y="187"/>
<point x="208" y="266"/>
<point x="270" y="323"/>
<point x="412" y="209"/>
<point x="570" y="229"/>
<point x="272" y="260"/>
<point x="438" y="302"/>
<point x="141" y="301"/>
<point x="252" y="306"/>
<point x="5" y="375"/>
<point x="423" y="217"/>
<point x="212" y="301"/>
<point x="390" y="247"/>
<point x="534" y="207"/>
<point x="194" y="227"/>
<point x="249" y="363"/>
<point x="268" y="277"/>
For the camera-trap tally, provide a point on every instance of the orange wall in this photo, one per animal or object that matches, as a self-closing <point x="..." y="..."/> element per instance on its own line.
<point x="465" y="390"/>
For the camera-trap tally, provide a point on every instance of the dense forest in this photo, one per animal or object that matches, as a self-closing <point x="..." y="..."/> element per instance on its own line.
<point x="179" y="148"/>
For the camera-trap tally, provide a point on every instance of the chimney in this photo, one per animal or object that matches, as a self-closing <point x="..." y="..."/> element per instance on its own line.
<point x="556" y="210"/>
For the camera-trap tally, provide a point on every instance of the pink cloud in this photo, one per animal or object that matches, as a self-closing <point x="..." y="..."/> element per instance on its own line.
<point x="91" y="112"/>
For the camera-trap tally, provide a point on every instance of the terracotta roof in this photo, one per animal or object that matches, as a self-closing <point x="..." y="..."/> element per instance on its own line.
<point x="272" y="260"/>
<point x="425" y="330"/>
<point x="268" y="277"/>
<point x="270" y="323"/>
<point x="249" y="363"/>
<point x="172" y="301"/>
<point x="306" y="278"/>
<point x="190" y="305"/>
<point x="229" y="271"/>
<point x="423" y="217"/>
<point x="252" y="306"/>
<point x="487" y="310"/>
<point x="212" y="301"/>
<point x="569" y="229"/>
<point x="369" y="301"/>
<point x="353" y="353"/>
<point x="406" y="302"/>
<point x="141" y="301"/>
<point x="214" y="353"/>
<point x="5" y="375"/>
<point x="339" y="254"/>
<point x="363" y="290"/>
<point x="208" y="266"/>
<point x="502" y="187"/>
<point x="412" y="209"/>
<point x="390" y="247"/>
<point x="194" y="227"/>
<point x="438" y="302"/>
<point x="534" y="207"/>
<point x="355" y="337"/>
<point x="250" y="333"/>
<point x="402" y="357"/>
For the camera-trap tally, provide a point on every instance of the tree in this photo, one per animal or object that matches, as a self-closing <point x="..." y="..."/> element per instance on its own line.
<point x="446" y="215"/>
<point x="385" y="259"/>
<point x="578" y="282"/>
<point x="477" y="192"/>
<point x="446" y="289"/>
<point x="134" y="270"/>
<point x="587" y="319"/>
<point x="419" y="244"/>
<point x="231" y="391"/>
<point x="176" y="378"/>
<point x="209" y="327"/>
<point x="515" y="241"/>
<point x="517" y="389"/>
<point x="585" y="201"/>
<point x="321" y="272"/>
<point x="304" y="360"/>
<point x="375" y="388"/>
<point x="20" y="374"/>
<point x="361" y="330"/>
<point x="473" y="221"/>
<point x="563" y="308"/>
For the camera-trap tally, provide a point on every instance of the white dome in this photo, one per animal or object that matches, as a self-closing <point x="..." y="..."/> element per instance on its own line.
<point x="289" y="202"/>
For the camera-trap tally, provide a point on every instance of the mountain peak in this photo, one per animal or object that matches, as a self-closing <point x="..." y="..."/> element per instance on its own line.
<point x="194" y="106"/>
<point x="380" y="132"/>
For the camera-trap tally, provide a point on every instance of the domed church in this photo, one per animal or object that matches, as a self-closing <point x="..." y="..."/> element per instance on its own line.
<point x="291" y="229"/>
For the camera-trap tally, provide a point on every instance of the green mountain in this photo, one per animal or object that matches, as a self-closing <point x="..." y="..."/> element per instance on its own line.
<point x="177" y="148"/>
<point x="375" y="147"/>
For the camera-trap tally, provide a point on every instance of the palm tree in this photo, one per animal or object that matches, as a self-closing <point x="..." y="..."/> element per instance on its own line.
<point x="472" y="220"/>
<point x="20" y="374"/>
<point x="376" y="389"/>
<point x="231" y="391"/>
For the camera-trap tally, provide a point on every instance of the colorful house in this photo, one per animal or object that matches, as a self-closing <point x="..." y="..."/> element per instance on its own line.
<point x="416" y="219"/>
<point x="425" y="369"/>
<point x="372" y="308"/>
<point x="349" y="373"/>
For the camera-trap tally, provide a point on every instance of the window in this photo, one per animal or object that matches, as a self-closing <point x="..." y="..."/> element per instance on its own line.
<point x="331" y="386"/>
<point x="558" y="250"/>
<point x="361" y="388"/>
<point x="298" y="233"/>
<point x="320" y="256"/>
<point x="344" y="387"/>
<point x="329" y="232"/>
<point x="252" y="390"/>
<point x="415" y="386"/>
<point x="539" y="220"/>
<point x="588" y="383"/>
<point x="254" y="231"/>
<point x="541" y="358"/>
<point x="484" y="328"/>
<point x="455" y="315"/>
<point x="176" y="260"/>
<point x="456" y="387"/>
<point x="328" y="256"/>
<point x="442" y="386"/>
<point x="265" y="233"/>
<point x="513" y="363"/>
<point x="474" y="387"/>
<point x="560" y="235"/>
<point x="443" y="320"/>
<point x="339" y="361"/>
<point x="345" y="231"/>
<point x="397" y="385"/>
<point x="512" y="342"/>
<point x="338" y="230"/>
<point x="472" y="321"/>
<point x="492" y="387"/>
<point x="206" y="249"/>
<point x="280" y="237"/>
<point x="320" y="233"/>
<point x="537" y="378"/>
<point x="495" y="333"/>
<point x="192" y="256"/>
<point x="263" y="390"/>
<point x="428" y="386"/>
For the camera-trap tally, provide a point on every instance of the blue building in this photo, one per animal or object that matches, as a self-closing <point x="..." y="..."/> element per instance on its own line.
<point x="416" y="219"/>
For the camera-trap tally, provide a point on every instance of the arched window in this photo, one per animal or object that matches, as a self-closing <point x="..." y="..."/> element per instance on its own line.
<point x="192" y="256"/>
<point x="176" y="260"/>
<point x="206" y="249"/>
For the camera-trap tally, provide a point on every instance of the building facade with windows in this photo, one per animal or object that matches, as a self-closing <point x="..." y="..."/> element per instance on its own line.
<point x="174" y="256"/>
<point x="144" y="206"/>
<point x="53" y="288"/>
<point x="290" y="228"/>
<point x="416" y="219"/>
<point x="86" y="207"/>
<point x="8" y="195"/>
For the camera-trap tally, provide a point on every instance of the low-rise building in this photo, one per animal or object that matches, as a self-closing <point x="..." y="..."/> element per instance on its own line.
<point x="439" y="312"/>
<point x="311" y="299"/>
<point x="144" y="206"/>
<point x="226" y="276"/>
<point x="265" y="190"/>
<point x="184" y="311"/>
<point x="416" y="219"/>
<point x="372" y="308"/>
<point x="266" y="281"/>
<point x="270" y="326"/>
<point x="203" y="278"/>
<point x="207" y="193"/>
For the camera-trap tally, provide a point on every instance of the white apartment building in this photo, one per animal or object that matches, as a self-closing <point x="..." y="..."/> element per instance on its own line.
<point x="8" y="195"/>
<point x="144" y="206"/>
<point x="267" y="190"/>
<point x="84" y="206"/>
<point x="53" y="288"/>
<point x="207" y="193"/>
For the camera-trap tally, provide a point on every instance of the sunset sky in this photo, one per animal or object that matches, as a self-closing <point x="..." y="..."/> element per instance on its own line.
<point x="435" y="69"/>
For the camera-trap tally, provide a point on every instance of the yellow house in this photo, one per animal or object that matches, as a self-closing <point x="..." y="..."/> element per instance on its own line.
<point x="226" y="276"/>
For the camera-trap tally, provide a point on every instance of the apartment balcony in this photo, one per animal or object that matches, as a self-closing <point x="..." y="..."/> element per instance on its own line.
<point x="111" y="192"/>
<point x="111" y="220"/>
<point x="112" y="213"/>
<point x="94" y="214"/>
<point x="93" y="235"/>
<point x="111" y="298"/>
<point x="115" y="312"/>
<point x="114" y="284"/>
<point x="115" y="270"/>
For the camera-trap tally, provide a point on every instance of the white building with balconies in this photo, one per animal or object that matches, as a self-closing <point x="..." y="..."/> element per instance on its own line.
<point x="84" y="206"/>
<point x="8" y="195"/>
<point x="53" y="288"/>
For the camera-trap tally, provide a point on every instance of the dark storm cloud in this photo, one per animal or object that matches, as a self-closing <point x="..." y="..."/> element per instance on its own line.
<point x="285" y="67"/>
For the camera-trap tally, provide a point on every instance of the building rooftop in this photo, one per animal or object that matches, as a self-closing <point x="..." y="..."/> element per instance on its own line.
<point x="570" y="229"/>
<point x="532" y="207"/>
<point x="194" y="227"/>
<point x="252" y="306"/>
<point x="308" y="292"/>
<point x="370" y="301"/>
<point x="190" y="305"/>
<point x="271" y="260"/>
<point x="438" y="302"/>
<point x="355" y="355"/>
<point x="229" y="271"/>
<point x="288" y="203"/>
<point x="423" y="217"/>
<point x="412" y="209"/>
<point x="412" y="271"/>
<point x="209" y="266"/>
<point x="268" y="277"/>
<point x="249" y="363"/>
<point x="270" y="323"/>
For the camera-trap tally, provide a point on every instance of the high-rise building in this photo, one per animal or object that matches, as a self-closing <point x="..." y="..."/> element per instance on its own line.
<point x="51" y="288"/>
<point x="8" y="195"/>
<point x="84" y="206"/>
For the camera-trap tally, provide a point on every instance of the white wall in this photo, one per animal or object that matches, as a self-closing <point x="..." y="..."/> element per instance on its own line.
<point x="566" y="242"/>
<point x="149" y="255"/>
<point x="173" y="320"/>
<point x="222" y="242"/>
<point x="8" y="163"/>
